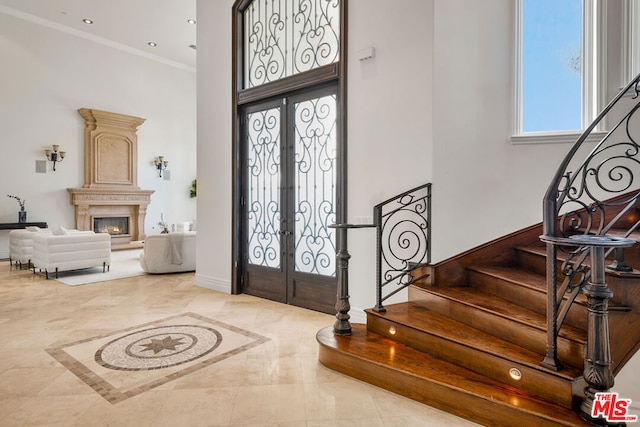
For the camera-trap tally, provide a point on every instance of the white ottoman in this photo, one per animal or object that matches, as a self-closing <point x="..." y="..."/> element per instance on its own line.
<point x="169" y="253"/>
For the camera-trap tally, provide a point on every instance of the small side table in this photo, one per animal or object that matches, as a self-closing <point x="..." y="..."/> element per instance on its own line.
<point x="21" y="225"/>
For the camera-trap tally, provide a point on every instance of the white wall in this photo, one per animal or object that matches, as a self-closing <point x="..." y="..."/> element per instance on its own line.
<point x="483" y="185"/>
<point x="214" y="144"/>
<point x="45" y="76"/>
<point x="390" y="121"/>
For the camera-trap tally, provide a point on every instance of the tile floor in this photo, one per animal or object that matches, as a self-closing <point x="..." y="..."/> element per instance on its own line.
<point x="277" y="382"/>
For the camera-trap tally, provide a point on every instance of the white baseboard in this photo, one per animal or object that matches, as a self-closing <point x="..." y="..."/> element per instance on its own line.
<point x="357" y="315"/>
<point x="215" y="284"/>
<point x="222" y="285"/>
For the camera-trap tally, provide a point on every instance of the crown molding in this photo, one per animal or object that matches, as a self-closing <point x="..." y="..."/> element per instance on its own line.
<point x="93" y="38"/>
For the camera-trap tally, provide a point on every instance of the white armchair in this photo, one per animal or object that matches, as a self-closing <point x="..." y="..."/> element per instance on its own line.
<point x="72" y="251"/>
<point x="21" y="245"/>
<point x="169" y="253"/>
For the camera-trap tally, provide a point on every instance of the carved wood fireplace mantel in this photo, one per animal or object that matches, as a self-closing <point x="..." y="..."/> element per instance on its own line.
<point x="111" y="169"/>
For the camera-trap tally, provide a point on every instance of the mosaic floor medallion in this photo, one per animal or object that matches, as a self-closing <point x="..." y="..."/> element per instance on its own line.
<point x="128" y="362"/>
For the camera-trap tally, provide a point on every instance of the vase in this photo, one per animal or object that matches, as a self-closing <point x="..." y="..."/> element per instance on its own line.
<point x="22" y="216"/>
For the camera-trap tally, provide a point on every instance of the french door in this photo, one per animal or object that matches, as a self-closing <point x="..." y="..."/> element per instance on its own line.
<point x="288" y="199"/>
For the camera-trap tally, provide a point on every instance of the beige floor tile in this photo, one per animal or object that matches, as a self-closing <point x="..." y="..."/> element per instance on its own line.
<point x="343" y="399"/>
<point x="202" y="407"/>
<point x="362" y="422"/>
<point x="272" y="403"/>
<point x="279" y="383"/>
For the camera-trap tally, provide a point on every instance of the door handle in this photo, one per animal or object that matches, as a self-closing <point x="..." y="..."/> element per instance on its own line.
<point x="284" y="233"/>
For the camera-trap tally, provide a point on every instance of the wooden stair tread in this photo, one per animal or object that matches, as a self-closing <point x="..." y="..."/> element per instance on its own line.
<point x="490" y="303"/>
<point x="528" y="279"/>
<point x="365" y="355"/>
<point x="522" y="277"/>
<point x="542" y="252"/>
<point x="540" y="249"/>
<point x="618" y="232"/>
<point x="516" y="275"/>
<point x="423" y="319"/>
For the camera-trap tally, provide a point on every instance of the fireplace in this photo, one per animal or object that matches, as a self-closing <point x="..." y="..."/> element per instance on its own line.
<point x="116" y="226"/>
<point x="110" y="194"/>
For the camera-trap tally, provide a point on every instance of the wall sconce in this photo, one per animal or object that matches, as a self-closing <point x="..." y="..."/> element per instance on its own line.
<point x="160" y="164"/>
<point x="55" y="155"/>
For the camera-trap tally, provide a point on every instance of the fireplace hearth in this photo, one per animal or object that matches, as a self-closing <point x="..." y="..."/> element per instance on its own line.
<point x="116" y="226"/>
<point x="110" y="190"/>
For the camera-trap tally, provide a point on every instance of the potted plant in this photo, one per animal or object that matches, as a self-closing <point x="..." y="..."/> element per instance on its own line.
<point x="22" y="214"/>
<point x="163" y="225"/>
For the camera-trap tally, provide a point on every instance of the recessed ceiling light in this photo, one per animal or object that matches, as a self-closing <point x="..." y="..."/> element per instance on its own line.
<point x="152" y="44"/>
<point x="87" y="21"/>
<point x="191" y="21"/>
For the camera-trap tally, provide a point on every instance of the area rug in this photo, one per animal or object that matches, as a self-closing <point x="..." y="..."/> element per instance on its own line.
<point x="123" y="264"/>
<point x="125" y="363"/>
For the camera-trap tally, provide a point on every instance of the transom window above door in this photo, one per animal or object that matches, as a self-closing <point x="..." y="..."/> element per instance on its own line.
<point x="283" y="38"/>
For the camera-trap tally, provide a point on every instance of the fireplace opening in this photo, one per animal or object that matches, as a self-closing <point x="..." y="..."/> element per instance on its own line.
<point x="115" y="226"/>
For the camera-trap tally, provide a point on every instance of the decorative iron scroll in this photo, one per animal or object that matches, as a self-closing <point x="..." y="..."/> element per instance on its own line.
<point x="403" y="226"/>
<point x="315" y="185"/>
<point x="263" y="198"/>
<point x="284" y="38"/>
<point x="591" y="181"/>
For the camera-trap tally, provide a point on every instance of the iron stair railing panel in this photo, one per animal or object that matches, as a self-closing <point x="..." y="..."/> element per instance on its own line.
<point x="403" y="245"/>
<point x="576" y="202"/>
<point x="403" y="241"/>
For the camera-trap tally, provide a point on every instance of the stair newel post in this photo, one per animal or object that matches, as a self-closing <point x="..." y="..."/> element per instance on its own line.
<point x="597" y="362"/>
<point x="342" y="326"/>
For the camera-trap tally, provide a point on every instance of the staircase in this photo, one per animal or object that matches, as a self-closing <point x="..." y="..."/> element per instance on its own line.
<point x="501" y="334"/>
<point x="472" y="336"/>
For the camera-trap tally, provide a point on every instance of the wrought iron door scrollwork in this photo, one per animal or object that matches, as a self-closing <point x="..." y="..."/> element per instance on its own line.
<point x="286" y="37"/>
<point x="315" y="185"/>
<point x="263" y="204"/>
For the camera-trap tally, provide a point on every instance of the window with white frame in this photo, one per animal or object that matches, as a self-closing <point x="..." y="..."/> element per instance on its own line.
<point x="549" y="66"/>
<point x="561" y="76"/>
